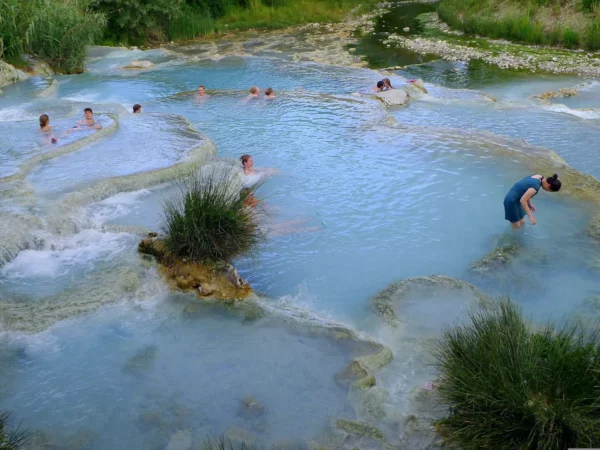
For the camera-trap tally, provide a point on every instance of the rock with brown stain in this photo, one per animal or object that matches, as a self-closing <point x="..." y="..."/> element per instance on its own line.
<point x="210" y="279"/>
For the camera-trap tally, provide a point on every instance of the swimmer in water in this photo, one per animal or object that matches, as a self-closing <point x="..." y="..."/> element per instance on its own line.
<point x="379" y="86"/>
<point x="387" y="84"/>
<point x="137" y="108"/>
<point x="269" y="93"/>
<point x="201" y="91"/>
<point x="247" y="164"/>
<point x="254" y="92"/>
<point x="87" y="123"/>
<point x="517" y="202"/>
<point x="46" y="128"/>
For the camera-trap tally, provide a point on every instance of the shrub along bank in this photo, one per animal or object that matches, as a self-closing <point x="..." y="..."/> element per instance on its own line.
<point x="568" y="23"/>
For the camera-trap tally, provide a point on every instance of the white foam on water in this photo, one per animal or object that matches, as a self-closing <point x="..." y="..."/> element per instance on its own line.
<point x="59" y="254"/>
<point x="117" y="206"/>
<point x="582" y="113"/>
<point x="15" y="114"/>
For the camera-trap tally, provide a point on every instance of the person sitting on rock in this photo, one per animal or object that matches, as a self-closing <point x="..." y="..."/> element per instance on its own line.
<point x="517" y="202"/>
<point x="254" y="92"/>
<point x="137" y="108"/>
<point x="46" y="129"/>
<point x="269" y="93"/>
<point x="87" y="123"/>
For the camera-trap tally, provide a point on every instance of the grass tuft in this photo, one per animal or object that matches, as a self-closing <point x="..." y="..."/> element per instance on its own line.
<point x="510" y="386"/>
<point x="210" y="218"/>
<point x="11" y="440"/>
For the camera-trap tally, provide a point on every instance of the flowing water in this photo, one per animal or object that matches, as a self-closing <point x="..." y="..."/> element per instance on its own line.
<point x="97" y="353"/>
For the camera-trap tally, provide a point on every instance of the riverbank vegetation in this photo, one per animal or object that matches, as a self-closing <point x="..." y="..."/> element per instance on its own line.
<point x="511" y="386"/>
<point x="58" y="31"/>
<point x="568" y="23"/>
<point x="212" y="217"/>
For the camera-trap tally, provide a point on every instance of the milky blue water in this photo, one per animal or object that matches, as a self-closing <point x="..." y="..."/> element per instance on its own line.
<point x="98" y="350"/>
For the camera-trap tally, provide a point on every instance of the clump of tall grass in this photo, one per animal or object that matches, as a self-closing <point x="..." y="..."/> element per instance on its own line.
<point x="210" y="217"/>
<point x="57" y="31"/>
<point x="518" y="21"/>
<point x="511" y="386"/>
<point x="11" y="440"/>
<point x="225" y="444"/>
<point x="191" y="24"/>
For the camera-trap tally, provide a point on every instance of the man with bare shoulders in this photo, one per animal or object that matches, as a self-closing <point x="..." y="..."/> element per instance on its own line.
<point x="86" y="124"/>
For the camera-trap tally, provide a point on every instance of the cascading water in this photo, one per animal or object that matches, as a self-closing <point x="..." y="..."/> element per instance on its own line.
<point x="97" y="353"/>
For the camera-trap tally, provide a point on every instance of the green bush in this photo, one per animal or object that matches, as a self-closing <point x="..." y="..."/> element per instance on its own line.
<point x="589" y="5"/>
<point x="592" y="36"/>
<point x="511" y="386"/>
<point x="145" y="19"/>
<point x="55" y="31"/>
<point x="209" y="218"/>
<point x="570" y="38"/>
<point x="11" y="440"/>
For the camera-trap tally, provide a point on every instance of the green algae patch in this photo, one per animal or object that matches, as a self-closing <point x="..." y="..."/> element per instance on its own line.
<point x="498" y="257"/>
<point x="357" y="428"/>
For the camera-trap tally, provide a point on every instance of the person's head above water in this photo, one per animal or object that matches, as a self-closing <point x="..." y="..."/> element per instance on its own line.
<point x="551" y="184"/>
<point x="269" y="92"/>
<point x="247" y="162"/>
<point x="387" y="83"/>
<point x="137" y="108"/>
<point x="201" y="90"/>
<point x="380" y="85"/>
<point x="89" y="114"/>
<point x="44" y="120"/>
<point x="254" y="90"/>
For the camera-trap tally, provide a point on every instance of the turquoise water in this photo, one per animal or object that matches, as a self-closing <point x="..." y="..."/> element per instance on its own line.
<point x="97" y="352"/>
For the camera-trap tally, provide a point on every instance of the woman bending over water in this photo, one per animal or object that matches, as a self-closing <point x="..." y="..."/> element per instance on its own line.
<point x="517" y="202"/>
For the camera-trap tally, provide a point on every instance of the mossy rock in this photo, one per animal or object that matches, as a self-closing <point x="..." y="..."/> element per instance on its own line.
<point x="209" y="279"/>
<point x="500" y="256"/>
<point x="357" y="428"/>
<point x="143" y="360"/>
<point x="383" y="302"/>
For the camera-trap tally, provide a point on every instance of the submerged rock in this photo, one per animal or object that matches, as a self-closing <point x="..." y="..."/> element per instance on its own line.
<point x="218" y="280"/>
<point x="357" y="428"/>
<point x="138" y="64"/>
<point x="250" y="408"/>
<point x="49" y="90"/>
<point x="180" y="440"/>
<point x="562" y="92"/>
<point x="393" y="97"/>
<point x="498" y="257"/>
<point x="383" y="302"/>
<point x="143" y="360"/>
<point x="238" y="436"/>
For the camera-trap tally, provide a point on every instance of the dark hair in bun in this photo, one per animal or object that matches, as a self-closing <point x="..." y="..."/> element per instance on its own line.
<point x="554" y="183"/>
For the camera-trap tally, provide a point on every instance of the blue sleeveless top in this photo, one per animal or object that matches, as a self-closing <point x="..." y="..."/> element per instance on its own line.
<point x="517" y="191"/>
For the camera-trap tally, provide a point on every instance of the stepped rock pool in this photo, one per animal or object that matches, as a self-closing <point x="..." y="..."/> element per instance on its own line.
<point x="97" y="353"/>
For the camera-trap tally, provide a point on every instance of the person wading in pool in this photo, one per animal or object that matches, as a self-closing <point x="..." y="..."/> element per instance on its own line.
<point x="517" y="202"/>
<point x="137" y="108"/>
